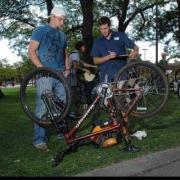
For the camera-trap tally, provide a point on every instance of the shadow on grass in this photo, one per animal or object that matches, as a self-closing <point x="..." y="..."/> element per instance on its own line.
<point x="156" y="126"/>
<point x="157" y="122"/>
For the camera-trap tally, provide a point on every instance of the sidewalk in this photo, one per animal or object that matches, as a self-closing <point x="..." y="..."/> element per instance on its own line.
<point x="163" y="163"/>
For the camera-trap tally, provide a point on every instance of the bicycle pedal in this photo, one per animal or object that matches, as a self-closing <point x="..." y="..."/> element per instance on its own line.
<point x="131" y="148"/>
<point x="56" y="161"/>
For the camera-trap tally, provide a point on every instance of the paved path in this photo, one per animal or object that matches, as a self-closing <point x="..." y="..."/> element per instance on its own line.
<point x="163" y="163"/>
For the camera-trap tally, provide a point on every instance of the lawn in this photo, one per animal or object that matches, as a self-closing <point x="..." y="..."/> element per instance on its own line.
<point x="19" y="158"/>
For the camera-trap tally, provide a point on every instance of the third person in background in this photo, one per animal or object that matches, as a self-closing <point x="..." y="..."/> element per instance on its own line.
<point x="163" y="63"/>
<point x="77" y="63"/>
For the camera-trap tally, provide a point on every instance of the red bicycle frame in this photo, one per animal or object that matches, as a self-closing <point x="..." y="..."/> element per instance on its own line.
<point x="71" y="135"/>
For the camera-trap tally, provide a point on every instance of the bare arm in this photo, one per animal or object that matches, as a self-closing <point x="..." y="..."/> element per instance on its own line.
<point x="67" y="64"/>
<point x="83" y="69"/>
<point x="33" y="46"/>
<point x="100" y="60"/>
<point x="87" y="65"/>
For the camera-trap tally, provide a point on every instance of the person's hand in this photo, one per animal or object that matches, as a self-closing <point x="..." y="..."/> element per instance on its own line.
<point x="39" y="66"/>
<point x="112" y="55"/>
<point x="66" y="73"/>
<point x="133" y="54"/>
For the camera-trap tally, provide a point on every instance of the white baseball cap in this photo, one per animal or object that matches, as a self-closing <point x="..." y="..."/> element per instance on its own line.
<point x="58" y="11"/>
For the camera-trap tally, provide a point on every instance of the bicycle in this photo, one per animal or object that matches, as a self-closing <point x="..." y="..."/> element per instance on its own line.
<point x="140" y="89"/>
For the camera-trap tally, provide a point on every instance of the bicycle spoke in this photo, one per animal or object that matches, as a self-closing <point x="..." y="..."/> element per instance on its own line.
<point x="148" y="77"/>
<point x="49" y="84"/>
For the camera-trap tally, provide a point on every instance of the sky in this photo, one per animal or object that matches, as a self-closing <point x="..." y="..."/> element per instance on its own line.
<point x="7" y="53"/>
<point x="148" y="52"/>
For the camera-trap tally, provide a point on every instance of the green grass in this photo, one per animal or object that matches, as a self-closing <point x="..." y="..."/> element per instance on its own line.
<point x="19" y="158"/>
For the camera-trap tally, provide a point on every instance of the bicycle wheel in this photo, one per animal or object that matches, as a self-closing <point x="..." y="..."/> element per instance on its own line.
<point x="178" y="89"/>
<point x="43" y="91"/>
<point x="177" y="75"/>
<point x="142" y="75"/>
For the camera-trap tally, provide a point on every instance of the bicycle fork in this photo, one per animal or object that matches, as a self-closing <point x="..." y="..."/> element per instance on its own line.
<point x="49" y="103"/>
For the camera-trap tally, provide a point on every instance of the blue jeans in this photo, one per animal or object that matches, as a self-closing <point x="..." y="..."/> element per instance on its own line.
<point x="42" y="84"/>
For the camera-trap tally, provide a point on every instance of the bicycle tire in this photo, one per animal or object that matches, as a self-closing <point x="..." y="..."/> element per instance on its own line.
<point x="177" y="75"/>
<point x="178" y="90"/>
<point x="28" y="92"/>
<point x="154" y="82"/>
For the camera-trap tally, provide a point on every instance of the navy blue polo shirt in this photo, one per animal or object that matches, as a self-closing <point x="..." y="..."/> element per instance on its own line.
<point x="118" y="43"/>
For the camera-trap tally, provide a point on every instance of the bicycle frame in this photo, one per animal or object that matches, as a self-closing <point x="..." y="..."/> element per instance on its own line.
<point x="70" y="135"/>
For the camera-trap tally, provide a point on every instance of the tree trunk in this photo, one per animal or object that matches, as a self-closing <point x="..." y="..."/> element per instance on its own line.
<point x="49" y="5"/>
<point x="1" y="93"/>
<point x="178" y="2"/>
<point x="87" y="7"/>
<point x="122" y="17"/>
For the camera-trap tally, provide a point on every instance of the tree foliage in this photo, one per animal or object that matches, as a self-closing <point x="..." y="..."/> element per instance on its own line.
<point x="14" y="73"/>
<point x="168" y="26"/>
<point x="19" y="17"/>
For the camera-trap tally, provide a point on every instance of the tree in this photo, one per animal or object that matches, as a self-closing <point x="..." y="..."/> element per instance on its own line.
<point x="168" y="26"/>
<point x="1" y="93"/>
<point x="178" y="14"/>
<point x="19" y="17"/>
<point x="87" y="7"/>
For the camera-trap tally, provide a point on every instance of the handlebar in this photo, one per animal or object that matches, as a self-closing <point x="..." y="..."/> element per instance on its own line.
<point x="123" y="55"/>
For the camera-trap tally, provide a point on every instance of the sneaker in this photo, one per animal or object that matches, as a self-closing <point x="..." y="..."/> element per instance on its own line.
<point x="41" y="146"/>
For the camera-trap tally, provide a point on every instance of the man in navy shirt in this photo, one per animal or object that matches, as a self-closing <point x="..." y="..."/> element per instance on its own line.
<point x="106" y="51"/>
<point x="108" y="47"/>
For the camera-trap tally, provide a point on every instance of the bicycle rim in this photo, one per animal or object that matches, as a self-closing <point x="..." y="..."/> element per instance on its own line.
<point x="177" y="75"/>
<point x="44" y="82"/>
<point x="151" y="79"/>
